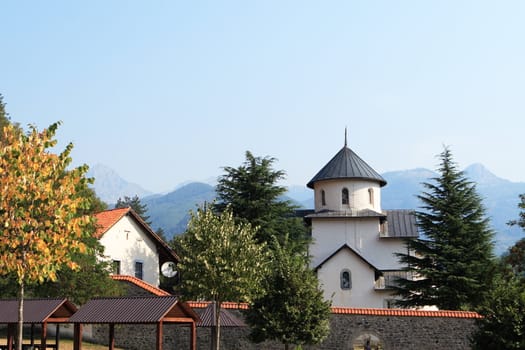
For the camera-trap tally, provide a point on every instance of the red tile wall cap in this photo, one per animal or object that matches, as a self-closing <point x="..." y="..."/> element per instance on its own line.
<point x="404" y="312"/>
<point x="140" y="283"/>
<point x="225" y="305"/>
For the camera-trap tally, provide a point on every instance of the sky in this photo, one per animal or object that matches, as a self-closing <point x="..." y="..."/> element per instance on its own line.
<point x="164" y="92"/>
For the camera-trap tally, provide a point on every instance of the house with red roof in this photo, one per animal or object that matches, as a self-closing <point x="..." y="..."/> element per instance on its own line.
<point x="133" y="247"/>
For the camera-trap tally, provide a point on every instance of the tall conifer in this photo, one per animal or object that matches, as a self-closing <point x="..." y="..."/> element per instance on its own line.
<point x="452" y="261"/>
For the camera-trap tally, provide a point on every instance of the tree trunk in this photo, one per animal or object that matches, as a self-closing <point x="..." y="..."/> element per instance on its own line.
<point x="216" y="330"/>
<point x="20" y="333"/>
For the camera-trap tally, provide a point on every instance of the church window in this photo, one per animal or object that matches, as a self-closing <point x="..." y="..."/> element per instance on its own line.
<point x="371" y="195"/>
<point x="323" y="198"/>
<point x="346" y="279"/>
<point x="344" y="194"/>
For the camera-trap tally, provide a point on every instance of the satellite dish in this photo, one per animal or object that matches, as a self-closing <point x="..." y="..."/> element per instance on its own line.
<point x="169" y="269"/>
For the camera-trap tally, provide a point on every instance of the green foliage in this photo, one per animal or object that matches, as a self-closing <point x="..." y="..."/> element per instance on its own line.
<point x="220" y="260"/>
<point x="293" y="310"/>
<point x="135" y="204"/>
<point x="453" y="258"/>
<point x="252" y="193"/>
<point x="503" y="325"/>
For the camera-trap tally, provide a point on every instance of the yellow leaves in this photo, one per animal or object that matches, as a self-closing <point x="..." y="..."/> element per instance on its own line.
<point x="41" y="226"/>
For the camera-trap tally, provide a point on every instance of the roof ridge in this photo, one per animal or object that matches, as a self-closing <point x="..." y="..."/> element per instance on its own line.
<point x="142" y="284"/>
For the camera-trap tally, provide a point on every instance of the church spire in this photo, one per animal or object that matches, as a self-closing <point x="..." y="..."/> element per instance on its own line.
<point x="345" y="138"/>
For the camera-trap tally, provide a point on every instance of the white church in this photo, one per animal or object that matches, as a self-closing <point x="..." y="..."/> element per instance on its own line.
<point x="354" y="241"/>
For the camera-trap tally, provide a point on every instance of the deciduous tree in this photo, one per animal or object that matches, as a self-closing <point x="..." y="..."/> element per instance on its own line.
<point x="453" y="258"/>
<point x="41" y="229"/>
<point x="293" y="309"/>
<point x="220" y="260"/>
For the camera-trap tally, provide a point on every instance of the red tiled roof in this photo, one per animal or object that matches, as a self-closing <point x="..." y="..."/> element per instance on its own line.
<point x="140" y="283"/>
<point x="404" y="312"/>
<point x="108" y="218"/>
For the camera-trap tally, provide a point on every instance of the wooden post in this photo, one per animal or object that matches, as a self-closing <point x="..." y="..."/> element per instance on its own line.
<point x="32" y="334"/>
<point x="10" y="335"/>
<point x="159" y="336"/>
<point x="57" y="336"/>
<point x="193" y="334"/>
<point x="77" y="343"/>
<point x="111" y="336"/>
<point x="43" y="337"/>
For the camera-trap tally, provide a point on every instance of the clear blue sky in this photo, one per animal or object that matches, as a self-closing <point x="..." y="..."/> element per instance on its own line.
<point x="169" y="91"/>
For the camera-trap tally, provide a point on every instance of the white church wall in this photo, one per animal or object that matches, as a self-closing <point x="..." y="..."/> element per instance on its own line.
<point x="362" y="195"/>
<point x="361" y="293"/>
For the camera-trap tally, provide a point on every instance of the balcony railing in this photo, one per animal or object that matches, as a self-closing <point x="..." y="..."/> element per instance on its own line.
<point x="388" y="280"/>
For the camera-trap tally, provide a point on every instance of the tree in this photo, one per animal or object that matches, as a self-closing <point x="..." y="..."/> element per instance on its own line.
<point x="39" y="209"/>
<point x="453" y="259"/>
<point x="135" y="204"/>
<point x="220" y="261"/>
<point x="293" y="310"/>
<point x="5" y="120"/>
<point x="252" y="193"/>
<point x="503" y="324"/>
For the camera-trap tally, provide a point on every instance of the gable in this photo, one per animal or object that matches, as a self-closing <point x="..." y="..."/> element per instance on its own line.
<point x="345" y="248"/>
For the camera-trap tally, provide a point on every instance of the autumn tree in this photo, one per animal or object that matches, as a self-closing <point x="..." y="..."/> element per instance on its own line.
<point x="41" y="229"/>
<point x="453" y="256"/>
<point x="293" y="309"/>
<point x="220" y="261"/>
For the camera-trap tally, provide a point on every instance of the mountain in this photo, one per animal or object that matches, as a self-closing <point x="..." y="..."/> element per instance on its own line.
<point x="500" y="197"/>
<point x="171" y="211"/>
<point x="109" y="186"/>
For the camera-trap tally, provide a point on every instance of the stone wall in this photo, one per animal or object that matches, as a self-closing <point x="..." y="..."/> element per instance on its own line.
<point x="347" y="332"/>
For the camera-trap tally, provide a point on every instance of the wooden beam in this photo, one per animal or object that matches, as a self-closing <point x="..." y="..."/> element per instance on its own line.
<point x="193" y="335"/>
<point x="77" y="343"/>
<point x="159" y="336"/>
<point x="43" y="336"/>
<point x="178" y="320"/>
<point x="111" y="336"/>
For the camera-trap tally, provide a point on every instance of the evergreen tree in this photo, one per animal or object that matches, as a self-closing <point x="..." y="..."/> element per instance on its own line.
<point x="135" y="204"/>
<point x="293" y="310"/>
<point x="452" y="260"/>
<point x="253" y="194"/>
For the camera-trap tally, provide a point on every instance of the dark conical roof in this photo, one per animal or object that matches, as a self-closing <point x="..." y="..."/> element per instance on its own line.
<point x="347" y="165"/>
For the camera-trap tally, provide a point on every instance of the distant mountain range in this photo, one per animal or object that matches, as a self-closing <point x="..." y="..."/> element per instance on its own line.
<point x="171" y="211"/>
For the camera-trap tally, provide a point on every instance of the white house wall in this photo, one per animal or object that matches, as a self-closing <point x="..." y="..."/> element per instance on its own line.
<point x="128" y="243"/>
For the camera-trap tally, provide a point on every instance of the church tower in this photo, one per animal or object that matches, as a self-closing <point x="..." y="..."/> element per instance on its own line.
<point x="353" y="240"/>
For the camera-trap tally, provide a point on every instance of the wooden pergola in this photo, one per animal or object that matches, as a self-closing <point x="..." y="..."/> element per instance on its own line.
<point x="135" y="310"/>
<point x="36" y="311"/>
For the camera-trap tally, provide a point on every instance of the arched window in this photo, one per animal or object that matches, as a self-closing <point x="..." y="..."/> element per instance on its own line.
<point x="323" y="198"/>
<point x="371" y="195"/>
<point x="346" y="279"/>
<point x="344" y="196"/>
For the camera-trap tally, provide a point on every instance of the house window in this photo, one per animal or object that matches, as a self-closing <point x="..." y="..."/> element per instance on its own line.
<point x="139" y="269"/>
<point x="371" y="195"/>
<point x="346" y="279"/>
<point x="116" y="267"/>
<point x="344" y="194"/>
<point x="323" y="198"/>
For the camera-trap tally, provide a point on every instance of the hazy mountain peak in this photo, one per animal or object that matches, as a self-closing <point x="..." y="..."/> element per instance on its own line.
<point x="478" y="173"/>
<point x="109" y="186"/>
